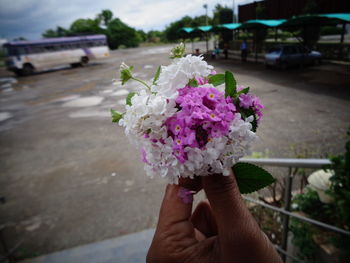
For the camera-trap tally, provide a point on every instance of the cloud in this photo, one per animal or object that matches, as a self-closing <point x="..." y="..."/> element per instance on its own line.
<point x="30" y="18"/>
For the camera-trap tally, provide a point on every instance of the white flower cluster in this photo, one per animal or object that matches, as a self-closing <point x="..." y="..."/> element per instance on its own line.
<point x="144" y="122"/>
<point x="176" y="75"/>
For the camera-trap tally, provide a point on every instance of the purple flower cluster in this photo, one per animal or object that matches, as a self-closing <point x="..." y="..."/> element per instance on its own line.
<point x="247" y="101"/>
<point x="204" y="114"/>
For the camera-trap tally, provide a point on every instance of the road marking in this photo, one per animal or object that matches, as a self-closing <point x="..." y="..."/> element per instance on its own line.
<point x="121" y="92"/>
<point x="5" y="115"/>
<point x="84" y="102"/>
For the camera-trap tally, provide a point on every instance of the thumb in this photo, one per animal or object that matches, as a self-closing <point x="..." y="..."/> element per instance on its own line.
<point x="225" y="200"/>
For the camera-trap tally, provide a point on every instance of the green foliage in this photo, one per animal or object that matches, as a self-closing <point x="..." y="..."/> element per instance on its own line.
<point x="243" y="91"/>
<point x="310" y="33"/>
<point x="172" y="32"/>
<point x="129" y="97"/>
<point x="330" y="30"/>
<point x="105" y="17"/>
<point x="309" y="203"/>
<point x="217" y="79"/>
<point x="341" y="185"/>
<point x="156" y="76"/>
<point x="58" y="32"/>
<point x="223" y="15"/>
<point x="121" y="34"/>
<point x="142" y="35"/>
<point x="155" y="36"/>
<point x="118" y="33"/>
<point x="125" y="73"/>
<point x="230" y="85"/>
<point x="193" y="83"/>
<point x="251" y="178"/>
<point x="302" y="238"/>
<point x="336" y="213"/>
<point x="116" y="115"/>
<point x="85" y="26"/>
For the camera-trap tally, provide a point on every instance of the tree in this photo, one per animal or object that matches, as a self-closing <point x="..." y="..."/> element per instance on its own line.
<point x="105" y="17"/>
<point x="142" y="35"/>
<point x="310" y="33"/>
<point x="223" y="15"/>
<point x="121" y="34"/>
<point x="85" y="26"/>
<point x="58" y="32"/>
<point x="261" y="32"/>
<point x="49" y="33"/>
<point x="173" y="31"/>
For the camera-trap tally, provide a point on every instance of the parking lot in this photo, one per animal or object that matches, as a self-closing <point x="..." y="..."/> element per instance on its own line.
<point x="69" y="175"/>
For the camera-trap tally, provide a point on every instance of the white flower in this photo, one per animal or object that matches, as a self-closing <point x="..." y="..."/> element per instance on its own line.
<point x="178" y="74"/>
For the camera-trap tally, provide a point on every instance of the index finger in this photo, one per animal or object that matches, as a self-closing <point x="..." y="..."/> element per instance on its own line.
<point x="173" y="208"/>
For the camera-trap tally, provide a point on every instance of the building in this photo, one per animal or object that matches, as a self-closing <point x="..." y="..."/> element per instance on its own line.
<point x="278" y="9"/>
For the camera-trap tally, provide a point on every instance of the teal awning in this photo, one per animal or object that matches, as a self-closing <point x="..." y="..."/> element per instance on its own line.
<point x="187" y="29"/>
<point x="294" y="21"/>
<point x="204" y="28"/>
<point x="231" y="26"/>
<point x="262" y="23"/>
<point x="343" y="17"/>
<point x="317" y="19"/>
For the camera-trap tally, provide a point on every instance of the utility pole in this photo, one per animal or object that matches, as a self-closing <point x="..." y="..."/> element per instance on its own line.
<point x="233" y="12"/>
<point x="206" y="23"/>
<point x="206" y="14"/>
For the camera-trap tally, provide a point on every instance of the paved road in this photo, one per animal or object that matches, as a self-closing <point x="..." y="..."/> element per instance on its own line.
<point x="69" y="175"/>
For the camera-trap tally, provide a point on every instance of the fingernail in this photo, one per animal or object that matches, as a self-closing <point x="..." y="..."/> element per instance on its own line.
<point x="186" y="195"/>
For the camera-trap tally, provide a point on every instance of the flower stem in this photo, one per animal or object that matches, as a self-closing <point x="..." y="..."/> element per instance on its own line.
<point x="142" y="82"/>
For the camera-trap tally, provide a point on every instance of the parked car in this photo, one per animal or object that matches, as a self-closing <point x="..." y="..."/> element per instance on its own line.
<point x="284" y="56"/>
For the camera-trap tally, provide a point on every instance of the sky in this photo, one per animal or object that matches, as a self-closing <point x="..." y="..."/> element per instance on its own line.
<point x="30" y="18"/>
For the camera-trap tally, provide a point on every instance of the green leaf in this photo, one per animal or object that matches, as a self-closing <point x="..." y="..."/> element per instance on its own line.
<point x="217" y="79"/>
<point x="116" y="115"/>
<point x="251" y="178"/>
<point x="156" y="77"/>
<point x="230" y="85"/>
<point x="245" y="91"/>
<point x="128" y="98"/>
<point x="193" y="83"/>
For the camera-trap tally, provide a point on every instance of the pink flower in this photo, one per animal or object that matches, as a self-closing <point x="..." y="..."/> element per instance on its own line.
<point x="204" y="113"/>
<point x="245" y="100"/>
<point x="144" y="156"/>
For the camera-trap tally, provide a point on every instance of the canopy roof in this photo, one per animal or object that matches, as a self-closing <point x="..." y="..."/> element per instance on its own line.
<point x="345" y="17"/>
<point x="294" y="21"/>
<point x="187" y="29"/>
<point x="231" y="26"/>
<point x="262" y="23"/>
<point x="204" y="28"/>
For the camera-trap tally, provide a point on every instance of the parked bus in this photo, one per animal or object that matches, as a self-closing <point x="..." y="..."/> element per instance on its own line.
<point x="25" y="57"/>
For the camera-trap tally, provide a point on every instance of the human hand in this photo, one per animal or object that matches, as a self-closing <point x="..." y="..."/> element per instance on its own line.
<point x="221" y="230"/>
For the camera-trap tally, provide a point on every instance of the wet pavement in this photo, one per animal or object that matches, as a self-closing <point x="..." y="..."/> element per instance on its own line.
<point x="69" y="175"/>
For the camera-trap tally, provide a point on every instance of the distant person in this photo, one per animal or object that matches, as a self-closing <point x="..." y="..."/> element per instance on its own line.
<point x="215" y="52"/>
<point x="197" y="52"/>
<point x="244" y="51"/>
<point x="226" y="50"/>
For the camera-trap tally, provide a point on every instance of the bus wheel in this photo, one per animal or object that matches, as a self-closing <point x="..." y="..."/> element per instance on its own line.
<point x="84" y="61"/>
<point x="27" y="69"/>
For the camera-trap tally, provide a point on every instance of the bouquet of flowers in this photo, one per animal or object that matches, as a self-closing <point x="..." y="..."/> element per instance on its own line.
<point x="191" y="121"/>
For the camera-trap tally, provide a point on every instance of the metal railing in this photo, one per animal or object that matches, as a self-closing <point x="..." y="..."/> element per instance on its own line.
<point x="285" y="211"/>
